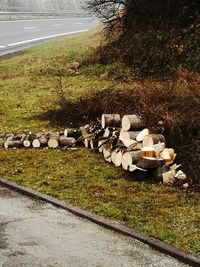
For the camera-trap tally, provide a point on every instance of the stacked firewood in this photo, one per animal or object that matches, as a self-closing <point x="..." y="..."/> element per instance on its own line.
<point x="128" y="143"/>
<point x="123" y="141"/>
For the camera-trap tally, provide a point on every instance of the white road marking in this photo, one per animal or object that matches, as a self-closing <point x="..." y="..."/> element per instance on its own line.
<point x="29" y="28"/>
<point x="23" y="20"/>
<point x="45" y="37"/>
<point x="56" y="25"/>
<point x="2" y="46"/>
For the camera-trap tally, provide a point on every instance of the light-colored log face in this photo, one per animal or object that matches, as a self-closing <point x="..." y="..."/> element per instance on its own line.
<point x="132" y="122"/>
<point x="110" y="120"/>
<point x="118" y="160"/>
<point x="142" y="134"/>
<point x="113" y="157"/>
<point x="26" y="143"/>
<point x="36" y="143"/>
<point x="53" y="143"/>
<point x="107" y="155"/>
<point x="150" y="140"/>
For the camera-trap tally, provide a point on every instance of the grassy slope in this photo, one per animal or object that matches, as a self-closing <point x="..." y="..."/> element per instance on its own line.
<point x="28" y="87"/>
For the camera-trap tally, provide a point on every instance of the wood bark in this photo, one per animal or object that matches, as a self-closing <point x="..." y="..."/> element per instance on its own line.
<point x="132" y="122"/>
<point x="67" y="141"/>
<point x="107" y="154"/>
<point x="110" y="120"/>
<point x="149" y="163"/>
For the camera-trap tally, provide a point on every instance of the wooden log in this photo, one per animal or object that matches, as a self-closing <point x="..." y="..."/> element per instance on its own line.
<point x="118" y="159"/>
<point x="110" y="120"/>
<point x="87" y="142"/>
<point x="132" y="122"/>
<point x="130" y="158"/>
<point x="27" y="143"/>
<point x="113" y="156"/>
<point x="150" y="163"/>
<point x="135" y="135"/>
<point x="12" y="143"/>
<point x="67" y="141"/>
<point x="107" y="154"/>
<point x="153" y="139"/>
<point x="148" y="152"/>
<point x="36" y="143"/>
<point x="53" y="142"/>
<point x="129" y="143"/>
<point x="168" y="155"/>
<point x="101" y="145"/>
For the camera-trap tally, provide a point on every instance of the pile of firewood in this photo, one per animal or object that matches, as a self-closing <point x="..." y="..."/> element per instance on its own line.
<point x="128" y="143"/>
<point x="66" y="138"/>
<point x="123" y="141"/>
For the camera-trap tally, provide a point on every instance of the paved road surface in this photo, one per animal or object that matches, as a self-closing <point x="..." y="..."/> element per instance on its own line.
<point x="34" y="233"/>
<point x="15" y="35"/>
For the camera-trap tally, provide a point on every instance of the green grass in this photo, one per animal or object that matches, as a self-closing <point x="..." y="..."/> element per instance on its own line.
<point x="28" y="88"/>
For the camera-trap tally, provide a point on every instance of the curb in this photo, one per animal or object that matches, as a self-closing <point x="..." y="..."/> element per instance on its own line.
<point x="179" y="254"/>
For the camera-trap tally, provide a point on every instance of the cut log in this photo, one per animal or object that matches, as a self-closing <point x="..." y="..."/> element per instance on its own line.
<point x="113" y="156"/>
<point x="27" y="143"/>
<point x="150" y="163"/>
<point x="36" y="143"/>
<point x="134" y="135"/>
<point x="67" y="141"/>
<point x="148" y="152"/>
<point x="101" y="145"/>
<point x="132" y="122"/>
<point x="168" y="155"/>
<point x="130" y="158"/>
<point x="118" y="160"/>
<point x="168" y="177"/>
<point x="110" y="120"/>
<point x="107" y="154"/>
<point x="129" y="143"/>
<point x="153" y="139"/>
<point x="12" y="143"/>
<point x="53" y="142"/>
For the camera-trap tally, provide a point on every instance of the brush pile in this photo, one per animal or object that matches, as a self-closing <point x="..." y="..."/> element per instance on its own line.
<point x="123" y="141"/>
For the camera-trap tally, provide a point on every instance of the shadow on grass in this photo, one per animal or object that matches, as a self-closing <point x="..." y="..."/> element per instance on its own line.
<point x="173" y="108"/>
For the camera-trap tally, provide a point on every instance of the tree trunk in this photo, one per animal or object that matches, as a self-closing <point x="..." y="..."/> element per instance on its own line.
<point x="72" y="133"/>
<point x="110" y="120"/>
<point x="12" y="143"/>
<point x="132" y="122"/>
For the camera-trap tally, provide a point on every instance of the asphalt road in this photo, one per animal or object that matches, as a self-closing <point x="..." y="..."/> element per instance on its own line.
<point x="16" y="35"/>
<point x="34" y="233"/>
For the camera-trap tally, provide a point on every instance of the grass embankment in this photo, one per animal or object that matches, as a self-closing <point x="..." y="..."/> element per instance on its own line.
<point x="30" y="92"/>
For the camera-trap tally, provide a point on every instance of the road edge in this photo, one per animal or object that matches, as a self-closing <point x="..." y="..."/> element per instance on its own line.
<point x="176" y="253"/>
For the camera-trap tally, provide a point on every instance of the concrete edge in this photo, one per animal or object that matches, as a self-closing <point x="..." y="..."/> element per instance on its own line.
<point x="179" y="254"/>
